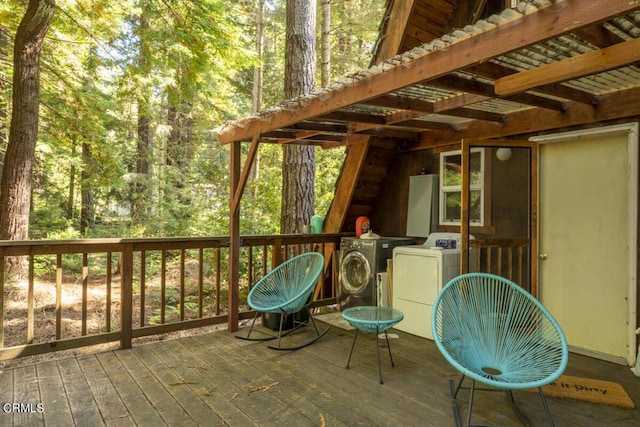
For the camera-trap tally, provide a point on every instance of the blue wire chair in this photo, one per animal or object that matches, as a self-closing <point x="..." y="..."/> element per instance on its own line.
<point x="287" y="290"/>
<point x="495" y="333"/>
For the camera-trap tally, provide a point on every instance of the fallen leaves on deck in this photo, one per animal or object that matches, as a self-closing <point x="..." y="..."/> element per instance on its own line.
<point x="253" y="389"/>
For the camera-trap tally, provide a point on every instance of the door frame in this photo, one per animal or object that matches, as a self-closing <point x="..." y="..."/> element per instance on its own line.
<point x="631" y="129"/>
<point x="466" y="145"/>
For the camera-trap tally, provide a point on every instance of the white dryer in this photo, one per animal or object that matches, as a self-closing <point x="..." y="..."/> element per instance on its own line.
<point x="419" y="273"/>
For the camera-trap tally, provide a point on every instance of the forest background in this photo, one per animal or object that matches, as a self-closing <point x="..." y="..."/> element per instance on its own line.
<point x="130" y="93"/>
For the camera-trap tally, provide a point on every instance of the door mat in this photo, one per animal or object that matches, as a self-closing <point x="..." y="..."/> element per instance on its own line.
<point x="588" y="390"/>
<point x="334" y="319"/>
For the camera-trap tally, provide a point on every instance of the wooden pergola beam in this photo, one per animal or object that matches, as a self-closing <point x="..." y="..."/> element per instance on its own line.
<point x="586" y="64"/>
<point x="495" y="71"/>
<point x="615" y="106"/>
<point x="452" y="82"/>
<point x="522" y="31"/>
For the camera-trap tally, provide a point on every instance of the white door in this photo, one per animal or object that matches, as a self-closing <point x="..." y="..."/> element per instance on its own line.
<point x="587" y="238"/>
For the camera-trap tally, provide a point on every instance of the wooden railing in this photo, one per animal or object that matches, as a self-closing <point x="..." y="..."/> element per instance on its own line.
<point x="97" y="291"/>
<point x="509" y="258"/>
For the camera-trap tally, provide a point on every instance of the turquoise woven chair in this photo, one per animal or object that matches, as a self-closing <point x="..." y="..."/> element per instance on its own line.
<point x="287" y="290"/>
<point x="495" y="333"/>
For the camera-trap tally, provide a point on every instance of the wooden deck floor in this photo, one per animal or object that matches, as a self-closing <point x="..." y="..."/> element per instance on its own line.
<point x="215" y="379"/>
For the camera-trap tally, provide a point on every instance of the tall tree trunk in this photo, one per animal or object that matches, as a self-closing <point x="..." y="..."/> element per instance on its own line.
<point x="140" y="197"/>
<point x="325" y="68"/>
<point x="4" y="59"/>
<point x="180" y="151"/>
<point x="298" y="162"/>
<point x="258" y="73"/>
<point x="23" y="134"/>
<point x="87" y="213"/>
<point x="72" y="179"/>
<point x="258" y="70"/>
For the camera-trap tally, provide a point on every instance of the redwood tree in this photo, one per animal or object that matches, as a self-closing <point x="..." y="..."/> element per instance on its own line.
<point x="23" y="133"/>
<point x="298" y="163"/>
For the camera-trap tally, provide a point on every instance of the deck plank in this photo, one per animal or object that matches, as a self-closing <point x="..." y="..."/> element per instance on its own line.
<point x="261" y="394"/>
<point x="114" y="411"/>
<point x="57" y="411"/>
<point x="215" y="379"/>
<point x="138" y="405"/>
<point x="201" y="377"/>
<point x="81" y="401"/>
<point x="26" y="391"/>
<point x="169" y="373"/>
<point x="167" y="407"/>
<point x="6" y="385"/>
<point x="280" y="388"/>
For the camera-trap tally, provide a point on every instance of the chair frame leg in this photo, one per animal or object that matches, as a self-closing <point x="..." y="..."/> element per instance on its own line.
<point x="546" y="407"/>
<point x="509" y="394"/>
<point x="248" y="337"/>
<point x="296" y="327"/>
<point x="378" y="353"/>
<point x="353" y="344"/>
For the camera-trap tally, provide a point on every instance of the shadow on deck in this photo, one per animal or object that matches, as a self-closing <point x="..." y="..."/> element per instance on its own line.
<point x="215" y="379"/>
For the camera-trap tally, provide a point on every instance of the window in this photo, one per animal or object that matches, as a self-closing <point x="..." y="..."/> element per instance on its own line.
<point x="451" y="187"/>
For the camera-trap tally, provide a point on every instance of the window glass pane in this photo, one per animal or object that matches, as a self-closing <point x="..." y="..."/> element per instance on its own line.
<point x="475" y="206"/>
<point x="452" y="206"/>
<point x="452" y="170"/>
<point x="475" y="169"/>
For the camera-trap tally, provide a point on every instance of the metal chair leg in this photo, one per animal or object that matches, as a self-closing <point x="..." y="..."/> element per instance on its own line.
<point x="546" y="407"/>
<point x="378" y="352"/>
<point x="248" y="337"/>
<point x="353" y="344"/>
<point x="473" y="389"/>
<point x="389" y="348"/>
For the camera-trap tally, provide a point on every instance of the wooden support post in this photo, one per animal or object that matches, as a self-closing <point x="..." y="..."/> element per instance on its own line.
<point x="2" y="270"/>
<point x="464" y="214"/>
<point x="238" y="180"/>
<point x="126" y="309"/>
<point x="234" y="238"/>
<point x="533" y="209"/>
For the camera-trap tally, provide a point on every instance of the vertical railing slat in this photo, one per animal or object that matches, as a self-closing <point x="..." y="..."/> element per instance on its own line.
<point x="143" y="287"/>
<point x="218" y="278"/>
<point x="58" y="296"/>
<point x="163" y="286"/>
<point x="30" y="303"/>
<point x="182" y="279"/>
<point x="250" y="269"/>
<point x="265" y="256"/>
<point x="200" y="282"/>
<point x="85" y="291"/>
<point x="109" y="283"/>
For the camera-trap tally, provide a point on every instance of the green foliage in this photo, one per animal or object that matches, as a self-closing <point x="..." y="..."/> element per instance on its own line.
<point x="102" y="70"/>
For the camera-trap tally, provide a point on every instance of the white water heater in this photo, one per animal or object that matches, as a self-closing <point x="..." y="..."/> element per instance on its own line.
<point x="422" y="212"/>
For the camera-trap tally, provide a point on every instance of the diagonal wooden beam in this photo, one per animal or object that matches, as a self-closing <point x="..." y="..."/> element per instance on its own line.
<point x="244" y="177"/>
<point x="515" y="32"/>
<point x="572" y="68"/>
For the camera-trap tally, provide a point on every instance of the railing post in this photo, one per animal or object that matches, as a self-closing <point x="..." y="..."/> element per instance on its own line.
<point x="126" y="303"/>
<point x="2" y="259"/>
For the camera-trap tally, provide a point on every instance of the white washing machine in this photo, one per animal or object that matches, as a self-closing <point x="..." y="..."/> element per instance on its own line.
<point x="419" y="273"/>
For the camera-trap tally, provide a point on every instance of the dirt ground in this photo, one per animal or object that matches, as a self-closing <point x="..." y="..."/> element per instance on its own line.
<point x="44" y="301"/>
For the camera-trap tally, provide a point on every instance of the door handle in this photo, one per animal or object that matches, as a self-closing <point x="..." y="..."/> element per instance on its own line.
<point x="543" y="256"/>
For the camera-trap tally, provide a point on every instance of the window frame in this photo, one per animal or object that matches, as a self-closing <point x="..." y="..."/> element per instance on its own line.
<point x="445" y="190"/>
